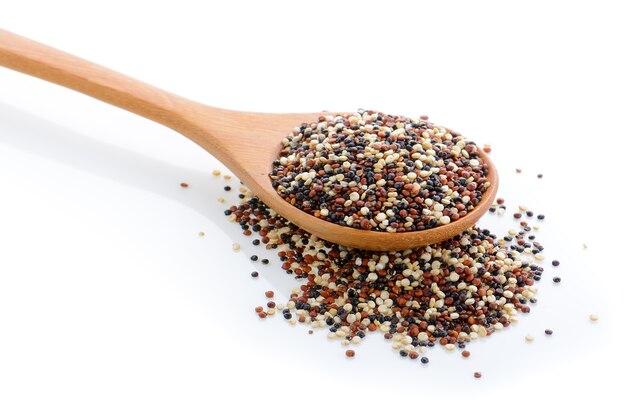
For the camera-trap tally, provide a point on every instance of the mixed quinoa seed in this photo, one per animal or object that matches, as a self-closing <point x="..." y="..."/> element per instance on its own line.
<point x="449" y="293"/>
<point x="373" y="171"/>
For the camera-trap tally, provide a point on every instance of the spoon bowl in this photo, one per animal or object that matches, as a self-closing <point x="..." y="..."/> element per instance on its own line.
<point x="245" y="142"/>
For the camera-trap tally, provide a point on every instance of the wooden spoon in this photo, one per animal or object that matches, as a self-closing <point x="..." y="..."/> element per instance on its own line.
<point x="245" y="142"/>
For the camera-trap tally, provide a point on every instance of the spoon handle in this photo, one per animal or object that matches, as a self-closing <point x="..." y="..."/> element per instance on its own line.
<point x="36" y="59"/>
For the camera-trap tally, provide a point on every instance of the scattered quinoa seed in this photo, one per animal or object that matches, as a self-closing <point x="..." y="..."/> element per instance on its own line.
<point x="446" y="294"/>
<point x="227" y="188"/>
<point x="236" y="246"/>
<point x="332" y="275"/>
<point x="593" y="317"/>
<point x="529" y="338"/>
<point x="477" y="375"/>
<point x="556" y="279"/>
<point x="518" y="170"/>
<point x="254" y="274"/>
<point x="555" y="263"/>
<point x="548" y="332"/>
<point x="201" y="234"/>
<point x="350" y="353"/>
<point x="539" y="176"/>
<point x="228" y="177"/>
<point x="217" y="172"/>
<point x="184" y="184"/>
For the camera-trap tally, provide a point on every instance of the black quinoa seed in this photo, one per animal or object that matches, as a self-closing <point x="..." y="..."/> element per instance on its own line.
<point x="254" y="274"/>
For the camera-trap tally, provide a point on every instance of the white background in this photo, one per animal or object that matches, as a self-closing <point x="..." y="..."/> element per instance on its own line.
<point x="106" y="290"/>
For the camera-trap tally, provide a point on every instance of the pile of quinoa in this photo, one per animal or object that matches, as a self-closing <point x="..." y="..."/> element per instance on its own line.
<point x="374" y="171"/>
<point x="448" y="293"/>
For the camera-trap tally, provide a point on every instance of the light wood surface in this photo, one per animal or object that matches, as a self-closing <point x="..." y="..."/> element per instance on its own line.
<point x="245" y="142"/>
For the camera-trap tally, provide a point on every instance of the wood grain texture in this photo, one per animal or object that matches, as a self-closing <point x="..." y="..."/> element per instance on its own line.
<point x="245" y="142"/>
